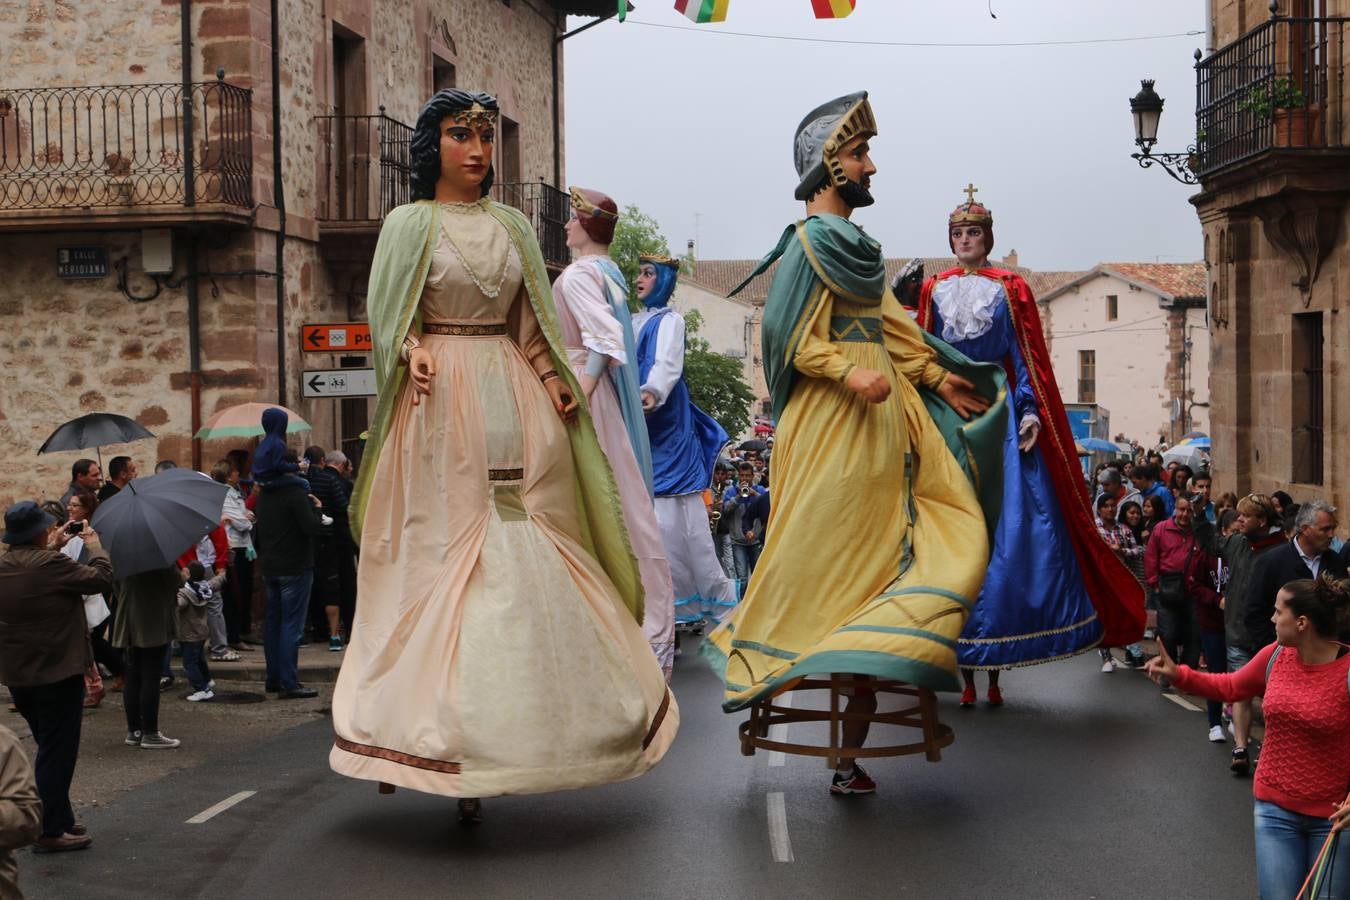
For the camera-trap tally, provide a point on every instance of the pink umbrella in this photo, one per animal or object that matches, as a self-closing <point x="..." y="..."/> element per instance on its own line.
<point x="245" y="421"/>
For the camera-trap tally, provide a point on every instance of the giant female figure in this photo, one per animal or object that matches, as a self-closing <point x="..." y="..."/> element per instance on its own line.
<point x="497" y="648"/>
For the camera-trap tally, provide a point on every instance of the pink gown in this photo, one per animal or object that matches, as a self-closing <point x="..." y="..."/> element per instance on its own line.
<point x="588" y="324"/>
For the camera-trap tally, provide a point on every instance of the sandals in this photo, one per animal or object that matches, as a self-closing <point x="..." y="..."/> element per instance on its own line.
<point x="227" y="656"/>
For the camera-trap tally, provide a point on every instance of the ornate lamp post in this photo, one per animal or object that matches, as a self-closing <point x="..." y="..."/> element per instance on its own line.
<point x="1146" y="107"/>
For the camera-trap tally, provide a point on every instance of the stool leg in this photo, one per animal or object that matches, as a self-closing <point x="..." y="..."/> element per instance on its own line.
<point x="928" y="712"/>
<point x="836" y="725"/>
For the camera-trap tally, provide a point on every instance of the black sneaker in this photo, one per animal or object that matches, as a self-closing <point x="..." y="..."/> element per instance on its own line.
<point x="133" y="739"/>
<point x="1240" y="764"/>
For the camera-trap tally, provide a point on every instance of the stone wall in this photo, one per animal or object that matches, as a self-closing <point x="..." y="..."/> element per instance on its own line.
<point x="78" y="346"/>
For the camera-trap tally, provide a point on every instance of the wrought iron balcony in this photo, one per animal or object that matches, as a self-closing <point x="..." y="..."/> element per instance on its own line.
<point x="548" y="210"/>
<point x="366" y="167"/>
<point x="113" y="152"/>
<point x="1279" y="86"/>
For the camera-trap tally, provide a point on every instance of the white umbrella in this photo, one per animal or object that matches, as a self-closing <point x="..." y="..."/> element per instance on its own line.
<point x="1186" y="455"/>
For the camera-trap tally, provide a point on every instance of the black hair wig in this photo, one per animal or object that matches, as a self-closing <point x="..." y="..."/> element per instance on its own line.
<point x="425" y="148"/>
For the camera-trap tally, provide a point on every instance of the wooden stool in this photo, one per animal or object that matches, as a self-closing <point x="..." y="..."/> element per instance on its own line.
<point x="922" y="715"/>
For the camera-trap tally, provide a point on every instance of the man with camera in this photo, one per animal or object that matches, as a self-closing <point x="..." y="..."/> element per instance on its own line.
<point x="747" y="535"/>
<point x="44" y="650"/>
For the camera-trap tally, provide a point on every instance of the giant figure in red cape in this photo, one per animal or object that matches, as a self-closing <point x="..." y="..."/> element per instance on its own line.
<point x="1054" y="587"/>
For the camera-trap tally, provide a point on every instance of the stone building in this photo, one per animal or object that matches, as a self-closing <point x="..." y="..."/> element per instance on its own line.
<point x="171" y="213"/>
<point x="1132" y="338"/>
<point x="1273" y="163"/>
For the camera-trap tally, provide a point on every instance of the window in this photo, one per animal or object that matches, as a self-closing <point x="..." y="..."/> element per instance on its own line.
<point x="1306" y="394"/>
<point x="1087" y="376"/>
<point x="442" y="74"/>
<point x="1112" y="307"/>
<point x="509" y="141"/>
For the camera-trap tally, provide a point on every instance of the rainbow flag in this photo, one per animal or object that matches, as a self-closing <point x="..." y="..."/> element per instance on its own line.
<point x="833" y="9"/>
<point x="703" y="10"/>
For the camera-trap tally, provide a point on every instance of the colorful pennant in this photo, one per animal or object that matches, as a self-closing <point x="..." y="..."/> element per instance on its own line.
<point x="833" y="9"/>
<point x="703" y="10"/>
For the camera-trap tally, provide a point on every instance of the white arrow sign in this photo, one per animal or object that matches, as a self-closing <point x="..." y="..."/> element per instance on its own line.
<point x="338" y="382"/>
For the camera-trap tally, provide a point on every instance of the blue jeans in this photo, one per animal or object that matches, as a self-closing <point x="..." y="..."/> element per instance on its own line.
<point x="1287" y="844"/>
<point x="287" y="600"/>
<point x="744" y="557"/>
<point x="194" y="664"/>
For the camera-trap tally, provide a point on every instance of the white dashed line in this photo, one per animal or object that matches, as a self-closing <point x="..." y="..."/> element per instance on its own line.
<point x="779" y="841"/>
<point x="1183" y="702"/>
<point x="779" y="733"/>
<point x="212" y="811"/>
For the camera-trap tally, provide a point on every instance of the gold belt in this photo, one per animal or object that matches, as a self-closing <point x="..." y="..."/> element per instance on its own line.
<point x="483" y="330"/>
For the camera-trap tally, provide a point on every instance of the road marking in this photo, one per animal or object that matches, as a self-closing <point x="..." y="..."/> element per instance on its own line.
<point x="779" y="841"/>
<point x="779" y="733"/>
<point x="1183" y="702"/>
<point x="212" y="811"/>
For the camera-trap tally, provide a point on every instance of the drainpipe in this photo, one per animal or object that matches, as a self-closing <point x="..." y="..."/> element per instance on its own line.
<point x="190" y="199"/>
<point x="557" y="113"/>
<point x="279" y="201"/>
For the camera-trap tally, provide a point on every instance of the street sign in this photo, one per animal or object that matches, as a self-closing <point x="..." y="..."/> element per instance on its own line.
<point x="81" y="262"/>
<point x="345" y="337"/>
<point x="338" y="382"/>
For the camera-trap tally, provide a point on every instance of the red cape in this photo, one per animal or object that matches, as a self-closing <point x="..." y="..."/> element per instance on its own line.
<point x="1115" y="593"/>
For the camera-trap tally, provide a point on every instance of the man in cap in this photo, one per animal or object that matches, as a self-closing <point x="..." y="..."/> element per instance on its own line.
<point x="44" y="652"/>
<point x="858" y="394"/>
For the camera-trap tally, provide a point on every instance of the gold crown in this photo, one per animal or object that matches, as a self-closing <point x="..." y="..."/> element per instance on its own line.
<point x="970" y="212"/>
<point x="477" y="115"/>
<point x="581" y="204"/>
<point x="659" y="259"/>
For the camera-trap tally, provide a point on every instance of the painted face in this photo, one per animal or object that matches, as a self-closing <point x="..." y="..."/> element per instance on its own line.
<point x="968" y="244"/>
<point x="1286" y="623"/>
<point x="576" y="235"/>
<point x="646" y="280"/>
<point x="466" y="152"/>
<point x="856" y="161"/>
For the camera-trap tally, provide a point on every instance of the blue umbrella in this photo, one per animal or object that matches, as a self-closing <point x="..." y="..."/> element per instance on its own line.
<point x="1098" y="445"/>
<point x="153" y="520"/>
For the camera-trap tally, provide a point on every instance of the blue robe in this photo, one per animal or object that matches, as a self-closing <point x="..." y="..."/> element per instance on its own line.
<point x="1034" y="606"/>
<point x="685" y="440"/>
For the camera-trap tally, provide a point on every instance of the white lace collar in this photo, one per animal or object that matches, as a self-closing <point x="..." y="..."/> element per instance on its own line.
<point x="967" y="304"/>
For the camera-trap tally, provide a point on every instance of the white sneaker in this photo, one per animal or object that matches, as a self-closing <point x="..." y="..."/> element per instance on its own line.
<point x="158" y="741"/>
<point x="211" y="685"/>
<point x="1216" y="735"/>
<point x="1109" y="664"/>
<point x="198" y="696"/>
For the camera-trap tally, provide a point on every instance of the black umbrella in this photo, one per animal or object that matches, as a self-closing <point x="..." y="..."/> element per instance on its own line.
<point x="94" y="430"/>
<point x="754" y="445"/>
<point x="151" y="522"/>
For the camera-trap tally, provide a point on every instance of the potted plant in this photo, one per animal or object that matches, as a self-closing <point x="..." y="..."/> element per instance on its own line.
<point x="1283" y="103"/>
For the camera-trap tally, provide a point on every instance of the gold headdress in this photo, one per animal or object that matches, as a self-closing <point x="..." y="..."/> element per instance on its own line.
<point x="477" y="115"/>
<point x="597" y="213"/>
<point x="658" y="259"/>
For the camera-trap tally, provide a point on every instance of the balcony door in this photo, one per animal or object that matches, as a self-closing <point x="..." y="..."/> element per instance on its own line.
<point x="351" y="135"/>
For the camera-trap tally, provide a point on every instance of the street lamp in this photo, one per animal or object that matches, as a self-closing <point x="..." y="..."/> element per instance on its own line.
<point x="1146" y="107"/>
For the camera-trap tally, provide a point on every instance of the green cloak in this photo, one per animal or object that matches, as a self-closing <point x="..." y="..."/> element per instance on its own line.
<point x="397" y="275"/>
<point x="830" y="250"/>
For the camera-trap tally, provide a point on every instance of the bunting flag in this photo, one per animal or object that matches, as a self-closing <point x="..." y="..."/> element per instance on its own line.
<point x="833" y="9"/>
<point x="704" y="10"/>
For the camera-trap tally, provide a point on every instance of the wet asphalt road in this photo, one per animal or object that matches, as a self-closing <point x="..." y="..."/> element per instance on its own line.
<point x="1083" y="785"/>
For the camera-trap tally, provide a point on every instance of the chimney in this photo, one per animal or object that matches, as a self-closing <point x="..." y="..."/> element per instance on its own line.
<point x="690" y="246"/>
<point x="1010" y="261"/>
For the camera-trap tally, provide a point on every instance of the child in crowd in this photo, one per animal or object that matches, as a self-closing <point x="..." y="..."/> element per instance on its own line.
<point x="193" y="599"/>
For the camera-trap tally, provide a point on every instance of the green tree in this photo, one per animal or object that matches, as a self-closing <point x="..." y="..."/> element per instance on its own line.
<point x="636" y="234"/>
<point x="716" y="383"/>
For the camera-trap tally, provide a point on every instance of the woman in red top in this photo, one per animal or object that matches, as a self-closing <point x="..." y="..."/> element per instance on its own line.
<point x="1301" y="783"/>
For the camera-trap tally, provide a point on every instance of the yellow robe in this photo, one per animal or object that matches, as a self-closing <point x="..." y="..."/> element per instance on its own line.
<point x="876" y="545"/>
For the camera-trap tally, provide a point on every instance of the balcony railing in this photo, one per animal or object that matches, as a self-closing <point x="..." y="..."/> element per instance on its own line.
<point x="125" y="145"/>
<point x="548" y="210"/>
<point x="367" y="163"/>
<point x="1280" y="85"/>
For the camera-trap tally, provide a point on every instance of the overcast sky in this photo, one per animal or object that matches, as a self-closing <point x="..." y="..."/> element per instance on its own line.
<point x="686" y="123"/>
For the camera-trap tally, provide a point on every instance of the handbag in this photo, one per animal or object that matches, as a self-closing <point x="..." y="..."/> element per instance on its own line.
<point x="1172" y="585"/>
